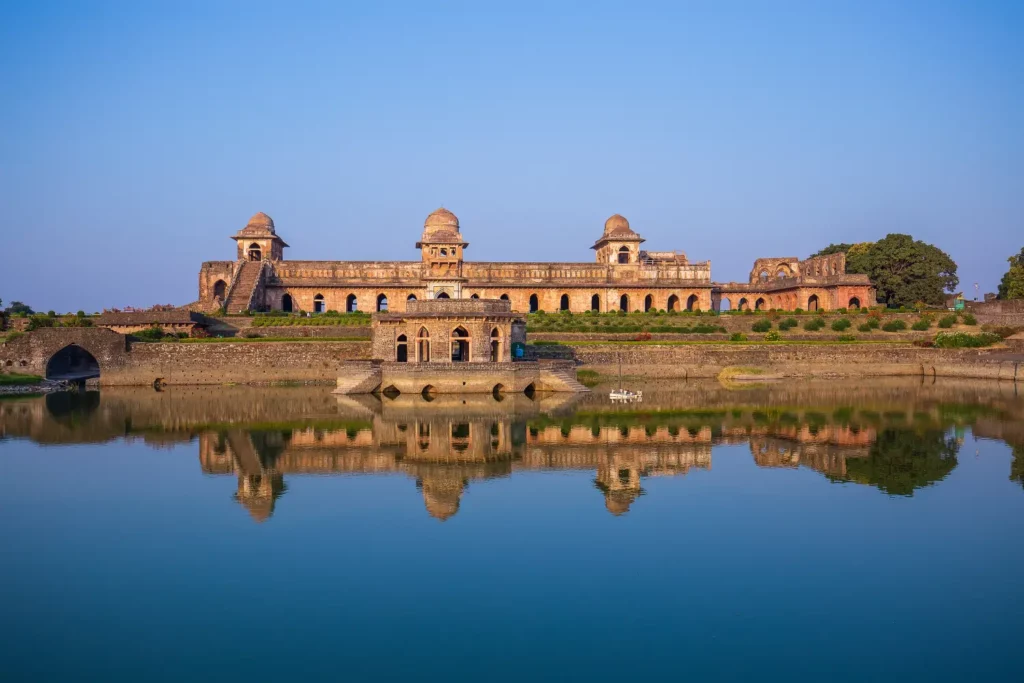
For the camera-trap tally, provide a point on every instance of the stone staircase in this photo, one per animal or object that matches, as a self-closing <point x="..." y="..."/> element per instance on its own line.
<point x="560" y="377"/>
<point x="358" y="377"/>
<point x="243" y="286"/>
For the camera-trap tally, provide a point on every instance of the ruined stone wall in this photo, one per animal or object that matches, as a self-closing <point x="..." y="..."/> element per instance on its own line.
<point x="232" y="362"/>
<point x="29" y="354"/>
<point x="850" y="360"/>
<point x="1009" y="313"/>
<point x="210" y="273"/>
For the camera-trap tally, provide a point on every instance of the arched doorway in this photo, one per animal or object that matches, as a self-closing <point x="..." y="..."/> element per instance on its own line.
<point x="595" y="303"/>
<point x="382" y="302"/>
<point x="318" y="304"/>
<point x="423" y="346"/>
<point x="563" y="303"/>
<point x="692" y="303"/>
<point x="648" y="302"/>
<point x="496" y="350"/>
<point x="673" y="303"/>
<point x="220" y="288"/>
<point x="504" y="297"/>
<point x="72" y="363"/>
<point x="854" y="303"/>
<point x="534" y="304"/>
<point x="759" y="305"/>
<point x="402" y="349"/>
<point x="255" y="253"/>
<point x="286" y="303"/>
<point x="624" y="255"/>
<point x="351" y="304"/>
<point x="442" y="295"/>
<point x="744" y="305"/>
<point x="812" y="303"/>
<point x="724" y="304"/>
<point x="460" y="345"/>
<point x="411" y="297"/>
<point x="624" y="303"/>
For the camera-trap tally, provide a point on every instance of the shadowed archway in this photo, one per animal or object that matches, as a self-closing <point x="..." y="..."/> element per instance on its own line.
<point x="72" y="363"/>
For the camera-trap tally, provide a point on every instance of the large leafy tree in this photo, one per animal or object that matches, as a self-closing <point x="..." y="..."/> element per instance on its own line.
<point x="902" y="460"/>
<point x="1012" y="285"/>
<point x="17" y="307"/>
<point x="904" y="270"/>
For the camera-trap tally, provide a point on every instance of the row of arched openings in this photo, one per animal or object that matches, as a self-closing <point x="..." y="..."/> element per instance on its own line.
<point x="460" y="346"/>
<point x="761" y="304"/>
<point x="319" y="303"/>
<point x="692" y="303"/>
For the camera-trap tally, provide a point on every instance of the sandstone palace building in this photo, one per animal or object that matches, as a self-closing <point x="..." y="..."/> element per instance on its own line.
<point x="624" y="276"/>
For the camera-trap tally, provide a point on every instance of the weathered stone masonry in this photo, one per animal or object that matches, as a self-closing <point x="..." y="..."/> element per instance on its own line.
<point x="623" y="277"/>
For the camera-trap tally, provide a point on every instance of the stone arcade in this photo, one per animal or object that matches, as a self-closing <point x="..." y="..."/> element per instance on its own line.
<point x="623" y="277"/>
<point x="448" y="346"/>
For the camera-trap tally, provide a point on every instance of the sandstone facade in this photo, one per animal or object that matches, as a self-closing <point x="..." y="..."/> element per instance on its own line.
<point x="623" y="277"/>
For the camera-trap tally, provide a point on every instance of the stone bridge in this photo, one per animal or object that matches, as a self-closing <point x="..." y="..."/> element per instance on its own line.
<point x="71" y="353"/>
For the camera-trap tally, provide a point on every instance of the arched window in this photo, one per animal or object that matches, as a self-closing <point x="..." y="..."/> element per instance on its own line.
<point x="255" y="254"/>
<point x="595" y="303"/>
<point x="351" y="304"/>
<point x="534" y="305"/>
<point x="496" y="351"/>
<point x="411" y="297"/>
<point x="504" y="297"/>
<point x="692" y="303"/>
<point x="624" y="302"/>
<point x="382" y="302"/>
<point x="854" y="303"/>
<point x="759" y="305"/>
<point x="764" y="275"/>
<point x="442" y="295"/>
<point x="812" y="303"/>
<point x="673" y="303"/>
<point x="648" y="302"/>
<point x="220" y="288"/>
<point x="423" y="346"/>
<point x="624" y="255"/>
<point x="781" y="274"/>
<point x="402" y="349"/>
<point x="460" y="345"/>
<point x="318" y="303"/>
<point x="563" y="303"/>
<point x="286" y="303"/>
<point x="474" y="296"/>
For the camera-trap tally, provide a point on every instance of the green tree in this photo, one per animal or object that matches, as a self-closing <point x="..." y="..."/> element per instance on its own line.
<point x="17" y="307"/>
<point x="1012" y="285"/>
<point x="902" y="460"/>
<point x="902" y="269"/>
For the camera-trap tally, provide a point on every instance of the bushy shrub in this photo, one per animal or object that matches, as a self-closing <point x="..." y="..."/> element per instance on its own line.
<point x="80" y="314"/>
<point x="965" y="340"/>
<point x="841" y="324"/>
<point x="152" y="334"/>
<point x="788" y="324"/>
<point x="798" y="311"/>
<point x="37" y="321"/>
<point x="865" y="327"/>
<point x="947" y="321"/>
<point x="921" y="325"/>
<point x="762" y="326"/>
<point x="969" y="319"/>
<point x="894" y="326"/>
<point x="814" y="324"/>
<point x="738" y="337"/>
<point x="772" y="336"/>
<point x="846" y="338"/>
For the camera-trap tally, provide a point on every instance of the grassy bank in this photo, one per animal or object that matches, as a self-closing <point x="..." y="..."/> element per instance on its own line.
<point x="16" y="380"/>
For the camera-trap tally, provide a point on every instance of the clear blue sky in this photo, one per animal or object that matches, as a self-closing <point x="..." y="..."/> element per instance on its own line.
<point x="138" y="136"/>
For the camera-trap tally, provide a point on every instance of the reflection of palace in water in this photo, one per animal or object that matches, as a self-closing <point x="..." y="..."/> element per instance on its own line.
<point x="267" y="437"/>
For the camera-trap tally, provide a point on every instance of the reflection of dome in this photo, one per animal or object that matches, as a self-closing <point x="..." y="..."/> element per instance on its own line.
<point x="441" y="496"/>
<point x="259" y="223"/>
<point x="618" y="502"/>
<point x="615" y="224"/>
<point x="441" y="220"/>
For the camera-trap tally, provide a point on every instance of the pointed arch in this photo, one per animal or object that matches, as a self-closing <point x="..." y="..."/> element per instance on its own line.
<point x="382" y="302"/>
<point x="534" y="303"/>
<point x="692" y="303"/>
<point x="624" y="303"/>
<point x="497" y="347"/>
<point x="423" y="345"/>
<point x="760" y="304"/>
<point x="220" y="288"/>
<point x="854" y="303"/>
<point x="648" y="302"/>
<point x="595" y="302"/>
<point x="72" y="362"/>
<point x="286" y="303"/>
<point x="351" y="304"/>
<point x="813" y="303"/>
<point x="460" y="345"/>
<point x="563" y="303"/>
<point x="503" y="297"/>
<point x="673" y="303"/>
<point x="318" y="304"/>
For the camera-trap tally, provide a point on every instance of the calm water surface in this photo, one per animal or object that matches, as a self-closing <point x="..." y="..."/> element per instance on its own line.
<point x="817" y="532"/>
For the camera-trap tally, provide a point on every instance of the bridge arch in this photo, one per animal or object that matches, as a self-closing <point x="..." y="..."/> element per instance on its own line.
<point x="73" y="363"/>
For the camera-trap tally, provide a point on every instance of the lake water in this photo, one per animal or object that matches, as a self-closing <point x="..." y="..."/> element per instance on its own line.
<point x="811" y="532"/>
